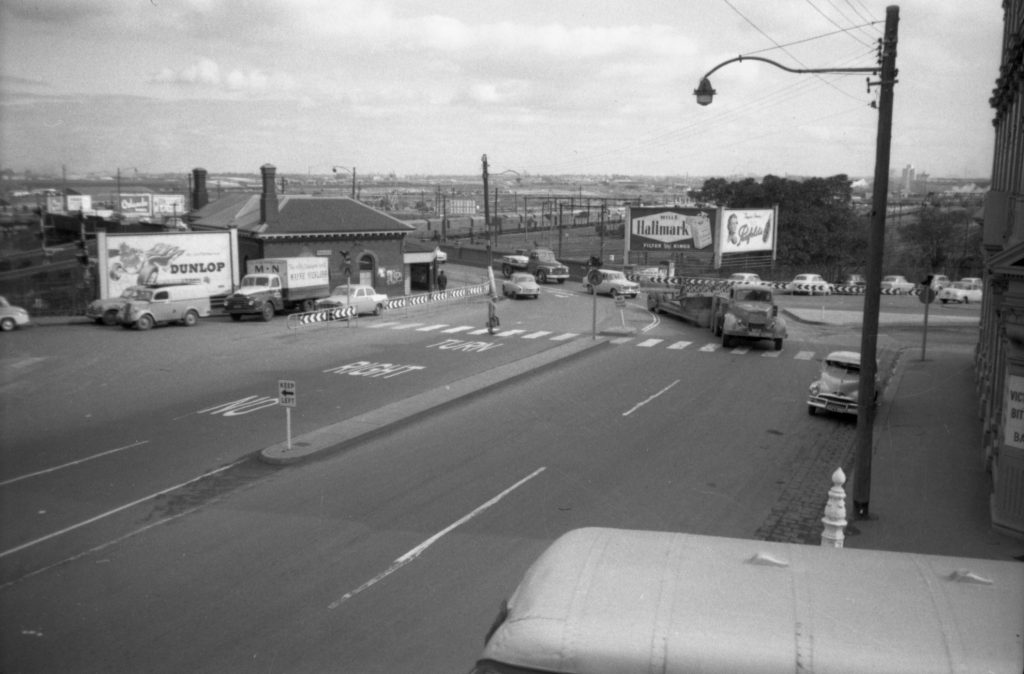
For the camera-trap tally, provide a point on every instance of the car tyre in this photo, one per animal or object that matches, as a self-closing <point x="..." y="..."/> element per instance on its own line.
<point x="542" y="276"/>
<point x="811" y="410"/>
<point x="506" y="270"/>
<point x="145" y="322"/>
<point x="778" y="345"/>
<point x="614" y="293"/>
<point x="236" y="317"/>
<point x="191" y="319"/>
<point x="109" y="317"/>
<point x="7" y="324"/>
<point x="726" y="341"/>
<point x="267" y="313"/>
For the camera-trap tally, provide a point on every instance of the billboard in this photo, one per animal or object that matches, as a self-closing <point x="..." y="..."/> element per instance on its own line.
<point x="206" y="258"/>
<point x="169" y="204"/>
<point x="670" y="228"/>
<point x="136" y="205"/>
<point x="747" y="231"/>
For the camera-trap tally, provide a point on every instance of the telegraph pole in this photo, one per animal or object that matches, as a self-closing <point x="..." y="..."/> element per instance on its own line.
<point x="873" y="289"/>
<point x="487" y="207"/>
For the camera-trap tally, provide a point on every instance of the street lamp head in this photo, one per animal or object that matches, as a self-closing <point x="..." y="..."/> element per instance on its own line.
<point x="704" y="93"/>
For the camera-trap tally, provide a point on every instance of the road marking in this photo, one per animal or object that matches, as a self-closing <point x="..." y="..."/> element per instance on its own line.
<point x="804" y="355"/>
<point x="71" y="463"/>
<point x="648" y="343"/>
<point x="478" y="331"/>
<point x="458" y="328"/>
<point x="241" y="406"/>
<point x="406" y="326"/>
<point x="679" y="345"/>
<point x="535" y="335"/>
<point x="101" y="516"/>
<point x="771" y="354"/>
<point x="385" y="324"/>
<point x="740" y="350"/>
<point x="640" y="404"/>
<point x="430" y="328"/>
<point x="412" y="554"/>
<point x="710" y="347"/>
<point x="510" y="333"/>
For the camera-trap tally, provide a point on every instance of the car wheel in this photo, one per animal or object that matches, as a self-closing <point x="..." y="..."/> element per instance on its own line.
<point x="268" y="312"/>
<point x="506" y="270"/>
<point x="236" y="317"/>
<point x="7" y="324"/>
<point x="614" y="293"/>
<point x="378" y="310"/>
<point x="726" y="341"/>
<point x="145" y="322"/>
<point x="191" y="318"/>
<point x="542" y="277"/>
<point x="109" y="317"/>
<point x="810" y="410"/>
<point x="308" y="305"/>
<point x="966" y="301"/>
<point x="778" y="345"/>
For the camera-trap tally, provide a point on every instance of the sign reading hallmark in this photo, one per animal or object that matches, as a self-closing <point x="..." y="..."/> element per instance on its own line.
<point x="670" y="228"/>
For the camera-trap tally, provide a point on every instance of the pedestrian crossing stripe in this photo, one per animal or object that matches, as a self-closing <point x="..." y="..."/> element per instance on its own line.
<point x="648" y="343"/>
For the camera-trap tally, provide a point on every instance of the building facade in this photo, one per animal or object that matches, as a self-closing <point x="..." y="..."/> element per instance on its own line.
<point x="1000" y="351"/>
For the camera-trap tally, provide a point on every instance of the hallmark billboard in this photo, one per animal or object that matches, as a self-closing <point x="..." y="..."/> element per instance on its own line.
<point x="671" y="228"/>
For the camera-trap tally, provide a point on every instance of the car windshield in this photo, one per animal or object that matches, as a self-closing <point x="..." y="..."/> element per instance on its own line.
<point x="130" y="293"/>
<point x="4" y="302"/>
<point x="522" y="278"/>
<point x="144" y="295"/>
<point x="962" y="285"/>
<point x="754" y="295"/>
<point x="842" y="366"/>
<point x="252" y="281"/>
<point x="614" y="276"/>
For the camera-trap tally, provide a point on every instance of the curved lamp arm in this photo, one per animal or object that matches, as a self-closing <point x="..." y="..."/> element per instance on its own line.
<point x="705" y="93"/>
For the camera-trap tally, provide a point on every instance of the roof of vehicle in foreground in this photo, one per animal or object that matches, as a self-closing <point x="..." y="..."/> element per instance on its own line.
<point x="609" y="600"/>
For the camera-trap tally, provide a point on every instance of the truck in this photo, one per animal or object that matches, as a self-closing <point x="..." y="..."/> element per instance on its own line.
<point x="541" y="262"/>
<point x="275" y="285"/>
<point x="747" y="311"/>
<point x="732" y="311"/>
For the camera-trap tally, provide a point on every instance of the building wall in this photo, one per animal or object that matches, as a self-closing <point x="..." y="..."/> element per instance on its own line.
<point x="1000" y="352"/>
<point x="377" y="261"/>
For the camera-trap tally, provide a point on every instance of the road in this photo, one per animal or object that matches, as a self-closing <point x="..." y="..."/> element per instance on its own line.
<point x="388" y="555"/>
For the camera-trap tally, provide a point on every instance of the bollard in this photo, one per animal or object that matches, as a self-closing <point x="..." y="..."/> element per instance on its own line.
<point x="835" y="512"/>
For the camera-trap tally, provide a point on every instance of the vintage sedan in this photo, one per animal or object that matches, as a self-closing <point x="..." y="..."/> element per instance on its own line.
<point x="896" y="285"/>
<point x="610" y="282"/>
<point x="12" y="316"/>
<point x="837" y="387"/>
<point x="963" y="291"/>
<point x="744" y="278"/>
<point x="364" y="298"/>
<point x="810" y="284"/>
<point x="520" y="284"/>
<point x="105" y="311"/>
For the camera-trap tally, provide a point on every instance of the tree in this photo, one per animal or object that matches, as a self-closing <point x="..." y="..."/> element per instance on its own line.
<point x="818" y="229"/>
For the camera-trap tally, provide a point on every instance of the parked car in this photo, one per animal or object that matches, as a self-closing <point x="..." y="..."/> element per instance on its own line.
<point x="853" y="280"/>
<point x="811" y="284"/>
<point x="363" y="297"/>
<point x="744" y="277"/>
<point x="940" y="281"/>
<point x="837" y="387"/>
<point x="610" y="282"/>
<point x="520" y="284"/>
<point x="896" y="285"/>
<point x="964" y="292"/>
<point x="11" y="316"/>
<point x="105" y="311"/>
<point x="184" y="304"/>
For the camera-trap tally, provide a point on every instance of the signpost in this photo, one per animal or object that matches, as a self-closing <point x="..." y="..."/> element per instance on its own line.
<point x="286" y="398"/>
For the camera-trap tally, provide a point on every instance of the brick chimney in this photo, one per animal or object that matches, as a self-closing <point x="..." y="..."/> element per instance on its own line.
<point x="268" y="199"/>
<point x="200" y="197"/>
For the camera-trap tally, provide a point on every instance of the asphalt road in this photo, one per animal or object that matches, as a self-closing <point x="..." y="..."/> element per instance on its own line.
<point x="389" y="555"/>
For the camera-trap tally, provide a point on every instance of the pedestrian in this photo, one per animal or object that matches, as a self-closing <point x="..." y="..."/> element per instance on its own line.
<point x="442" y="281"/>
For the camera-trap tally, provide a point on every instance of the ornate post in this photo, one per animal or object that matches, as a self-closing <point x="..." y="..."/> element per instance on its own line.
<point x="835" y="513"/>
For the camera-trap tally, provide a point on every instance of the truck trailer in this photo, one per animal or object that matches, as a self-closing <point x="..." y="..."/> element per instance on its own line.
<point x="276" y="285"/>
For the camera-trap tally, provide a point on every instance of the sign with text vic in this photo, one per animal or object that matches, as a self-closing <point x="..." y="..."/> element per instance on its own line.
<point x="670" y="228"/>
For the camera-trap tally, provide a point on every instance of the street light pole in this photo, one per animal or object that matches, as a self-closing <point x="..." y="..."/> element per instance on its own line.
<point x="705" y="93"/>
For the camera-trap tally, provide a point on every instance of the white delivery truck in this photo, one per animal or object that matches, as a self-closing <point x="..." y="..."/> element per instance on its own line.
<point x="274" y="285"/>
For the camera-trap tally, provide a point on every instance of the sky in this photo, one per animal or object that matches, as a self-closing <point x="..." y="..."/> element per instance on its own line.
<point x="569" y="87"/>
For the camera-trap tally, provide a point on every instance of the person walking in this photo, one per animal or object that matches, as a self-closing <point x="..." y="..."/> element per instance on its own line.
<point x="442" y="281"/>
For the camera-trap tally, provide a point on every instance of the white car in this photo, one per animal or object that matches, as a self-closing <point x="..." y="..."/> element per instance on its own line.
<point x="963" y="291"/>
<point x="896" y="285"/>
<point x="610" y="282"/>
<point x="838" y="385"/>
<point x="811" y="284"/>
<point x="364" y="298"/>
<point x="745" y="278"/>
<point x="520" y="284"/>
<point x="11" y="316"/>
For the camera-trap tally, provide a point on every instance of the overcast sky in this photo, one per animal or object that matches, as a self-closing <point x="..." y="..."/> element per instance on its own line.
<point x="542" y="87"/>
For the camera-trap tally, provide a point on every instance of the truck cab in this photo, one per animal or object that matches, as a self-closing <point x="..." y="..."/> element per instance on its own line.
<point x="747" y="311"/>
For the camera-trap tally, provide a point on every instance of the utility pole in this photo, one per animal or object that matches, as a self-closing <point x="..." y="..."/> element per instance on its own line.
<point x="873" y="289"/>
<point x="487" y="207"/>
